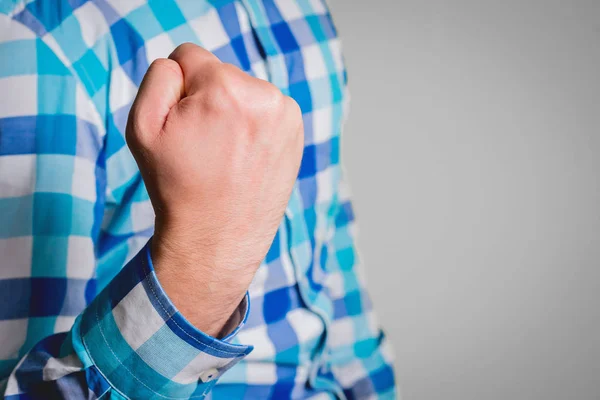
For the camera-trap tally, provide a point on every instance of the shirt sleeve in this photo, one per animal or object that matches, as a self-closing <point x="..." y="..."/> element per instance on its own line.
<point x="130" y="341"/>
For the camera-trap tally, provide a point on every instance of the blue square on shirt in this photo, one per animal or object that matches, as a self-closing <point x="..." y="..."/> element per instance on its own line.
<point x="327" y="26"/>
<point x="308" y="166"/>
<point x="314" y="21"/>
<point x="182" y="34"/>
<point x="383" y="378"/>
<point x="276" y="304"/>
<point x="82" y="219"/>
<point x="56" y="95"/>
<point x="167" y="13"/>
<point x="91" y="72"/>
<point x="227" y="55"/>
<point x="55" y="134"/>
<point x="353" y="303"/>
<point x="239" y="48"/>
<point x="54" y="173"/>
<point x="302" y="32"/>
<point x="295" y="66"/>
<point x="274" y="250"/>
<point x="45" y="12"/>
<point x="327" y="153"/>
<point x="285" y="37"/>
<point x="129" y="40"/>
<point x="89" y="142"/>
<point x="272" y="12"/>
<point x="18" y="135"/>
<point x="145" y="22"/>
<point x="193" y="9"/>
<point x="52" y="214"/>
<point x="337" y="93"/>
<point x="345" y="258"/>
<point x="47" y="61"/>
<point x="229" y="19"/>
<point x="17" y="57"/>
<point x="49" y="258"/>
<point x="308" y="190"/>
<point x="300" y="91"/>
<point x="16" y="216"/>
<point x="16" y="295"/>
<point x="49" y="296"/>
<point x="69" y="33"/>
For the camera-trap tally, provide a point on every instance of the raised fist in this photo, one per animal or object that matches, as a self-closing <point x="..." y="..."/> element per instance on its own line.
<point x="219" y="152"/>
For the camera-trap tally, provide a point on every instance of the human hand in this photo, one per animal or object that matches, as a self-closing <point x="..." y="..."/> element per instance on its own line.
<point x="219" y="152"/>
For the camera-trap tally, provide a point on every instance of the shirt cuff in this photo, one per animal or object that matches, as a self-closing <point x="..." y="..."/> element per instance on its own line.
<point x="144" y="346"/>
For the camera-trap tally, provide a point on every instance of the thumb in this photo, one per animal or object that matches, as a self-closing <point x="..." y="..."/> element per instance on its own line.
<point x="160" y="90"/>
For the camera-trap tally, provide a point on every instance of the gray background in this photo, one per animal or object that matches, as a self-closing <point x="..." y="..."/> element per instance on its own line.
<point x="473" y="150"/>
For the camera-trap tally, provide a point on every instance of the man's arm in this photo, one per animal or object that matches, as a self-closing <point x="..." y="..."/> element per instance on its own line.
<point x="232" y="180"/>
<point x="219" y="152"/>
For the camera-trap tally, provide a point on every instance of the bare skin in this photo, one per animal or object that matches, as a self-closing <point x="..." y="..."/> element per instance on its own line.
<point x="219" y="152"/>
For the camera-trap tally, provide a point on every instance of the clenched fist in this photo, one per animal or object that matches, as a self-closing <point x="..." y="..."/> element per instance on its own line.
<point x="219" y="152"/>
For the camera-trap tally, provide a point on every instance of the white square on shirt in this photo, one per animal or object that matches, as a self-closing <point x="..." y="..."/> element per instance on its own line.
<point x="56" y="368"/>
<point x="16" y="254"/>
<point x="326" y="183"/>
<point x="335" y="46"/>
<point x="81" y="260"/>
<point x="92" y="23"/>
<point x="318" y="6"/>
<point x="12" y="336"/>
<point x="123" y="90"/>
<point x="134" y="245"/>
<point x="289" y="10"/>
<point x="19" y="96"/>
<point x="136" y="317"/>
<point x="203" y="362"/>
<point x="350" y="373"/>
<point x="259" y="338"/>
<point x="13" y="30"/>
<point x="243" y="18"/>
<point x="86" y="110"/>
<point x="209" y="29"/>
<point x="335" y="283"/>
<point x="341" y="332"/>
<point x="63" y="324"/>
<point x="84" y="179"/>
<point x="314" y="63"/>
<point x="322" y="124"/>
<point x="124" y="7"/>
<point x="142" y="215"/>
<point x="387" y="350"/>
<point x="306" y="325"/>
<point x="160" y="46"/>
<point x="21" y="179"/>
<point x="261" y="374"/>
<point x="260" y="70"/>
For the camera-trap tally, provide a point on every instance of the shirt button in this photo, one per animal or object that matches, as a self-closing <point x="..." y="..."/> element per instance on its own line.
<point x="209" y="375"/>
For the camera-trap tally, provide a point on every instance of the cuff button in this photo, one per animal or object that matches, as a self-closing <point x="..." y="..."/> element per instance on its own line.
<point x="209" y="375"/>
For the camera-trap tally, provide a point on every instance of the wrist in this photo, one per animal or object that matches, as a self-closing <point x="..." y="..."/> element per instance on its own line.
<point x="204" y="291"/>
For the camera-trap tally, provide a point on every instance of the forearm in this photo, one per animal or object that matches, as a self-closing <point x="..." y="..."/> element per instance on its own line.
<point x="131" y="339"/>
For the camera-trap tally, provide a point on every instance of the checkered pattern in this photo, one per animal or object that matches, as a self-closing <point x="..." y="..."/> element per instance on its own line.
<point x="75" y="216"/>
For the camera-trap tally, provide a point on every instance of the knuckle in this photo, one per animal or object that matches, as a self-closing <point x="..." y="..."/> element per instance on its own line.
<point x="183" y="49"/>
<point x="165" y="64"/>
<point x="293" y="107"/>
<point x="222" y="88"/>
<point x="274" y="96"/>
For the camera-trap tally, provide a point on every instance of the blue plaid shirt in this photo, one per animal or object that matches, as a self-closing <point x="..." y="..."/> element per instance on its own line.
<point x="82" y="314"/>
